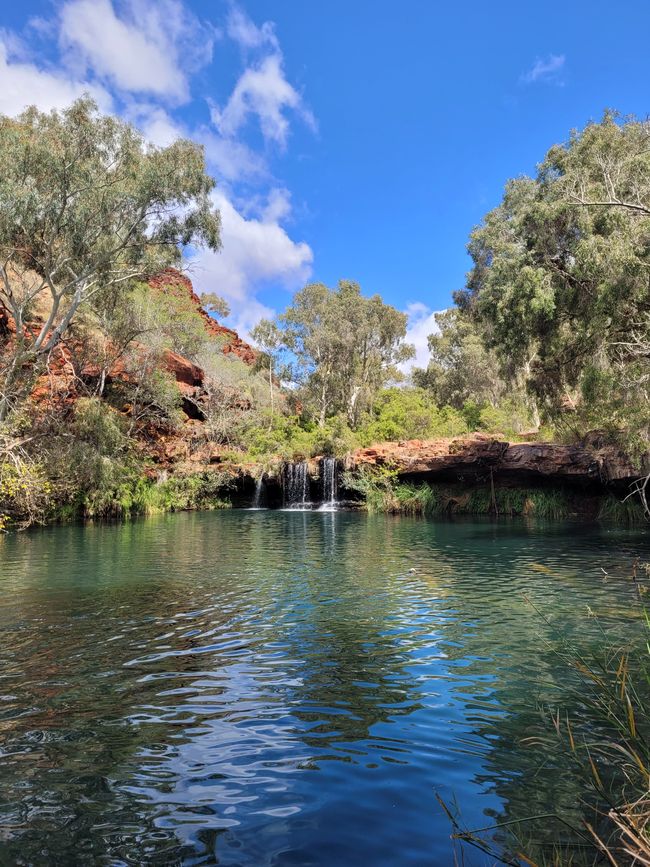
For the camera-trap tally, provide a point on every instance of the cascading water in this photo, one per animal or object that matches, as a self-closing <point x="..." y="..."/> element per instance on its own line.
<point x="296" y="485"/>
<point x="329" y="478"/>
<point x="257" y="499"/>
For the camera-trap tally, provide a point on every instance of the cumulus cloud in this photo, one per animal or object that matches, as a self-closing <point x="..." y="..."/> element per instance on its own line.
<point x="264" y="92"/>
<point x="241" y="29"/>
<point x="137" y="57"/>
<point x="23" y="84"/>
<point x="144" y="51"/>
<point x="256" y="253"/>
<point x="547" y="69"/>
<point x="233" y="160"/>
<point x="278" y="205"/>
<point x="421" y="323"/>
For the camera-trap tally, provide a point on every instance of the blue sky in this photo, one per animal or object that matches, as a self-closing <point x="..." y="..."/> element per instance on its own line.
<point x="350" y="139"/>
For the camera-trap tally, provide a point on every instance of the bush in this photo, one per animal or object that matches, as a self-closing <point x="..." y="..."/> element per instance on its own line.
<point x="510" y="417"/>
<point x="382" y="491"/>
<point x="409" y="413"/>
<point x="25" y="492"/>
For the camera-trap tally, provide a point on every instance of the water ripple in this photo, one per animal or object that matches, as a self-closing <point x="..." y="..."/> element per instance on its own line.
<point x="265" y="688"/>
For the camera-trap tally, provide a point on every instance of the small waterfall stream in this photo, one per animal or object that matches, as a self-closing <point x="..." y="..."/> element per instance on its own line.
<point x="329" y="480"/>
<point x="296" y="486"/>
<point x="257" y="498"/>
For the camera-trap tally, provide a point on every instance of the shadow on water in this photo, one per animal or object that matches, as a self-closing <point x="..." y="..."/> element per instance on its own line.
<point x="268" y="688"/>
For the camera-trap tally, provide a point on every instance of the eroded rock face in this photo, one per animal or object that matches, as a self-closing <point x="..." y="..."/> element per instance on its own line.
<point x="415" y="457"/>
<point x="171" y="280"/>
<point x="475" y="458"/>
<point x="188" y="375"/>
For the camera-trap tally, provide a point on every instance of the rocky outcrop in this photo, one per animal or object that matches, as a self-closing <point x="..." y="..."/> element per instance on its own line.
<point x="171" y="280"/>
<point x="479" y="457"/>
<point x="188" y="375"/>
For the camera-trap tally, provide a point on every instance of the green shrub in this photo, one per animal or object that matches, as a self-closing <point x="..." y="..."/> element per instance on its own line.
<point x="382" y="491"/>
<point x="510" y="417"/>
<point x="25" y="492"/>
<point x="409" y="413"/>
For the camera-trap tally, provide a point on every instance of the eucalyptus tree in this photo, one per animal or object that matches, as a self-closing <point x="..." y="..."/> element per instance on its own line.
<point x="460" y="368"/>
<point x="560" y="284"/>
<point x="215" y="304"/>
<point x="268" y="337"/>
<point x="86" y="208"/>
<point x="346" y="347"/>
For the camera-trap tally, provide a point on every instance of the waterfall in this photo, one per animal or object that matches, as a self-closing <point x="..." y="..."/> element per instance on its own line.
<point x="257" y="499"/>
<point x="296" y="485"/>
<point x="328" y="475"/>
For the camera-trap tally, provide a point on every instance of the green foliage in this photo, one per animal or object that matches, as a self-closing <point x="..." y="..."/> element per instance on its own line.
<point x="25" y="491"/>
<point x="460" y="369"/>
<point x="382" y="491"/>
<point x="559" y="285"/>
<point x="203" y="490"/>
<point x="398" y="413"/>
<point x="86" y="207"/>
<point x="87" y="469"/>
<point x="511" y="417"/>
<point x="137" y="495"/>
<point x="215" y="304"/>
<point x="335" y="438"/>
<point x="375" y="485"/>
<point x="167" y="319"/>
<point x="344" y="347"/>
<point x="627" y="511"/>
<point x="280" y="435"/>
<point x="98" y="427"/>
<point x="98" y="474"/>
<point x="409" y="413"/>
<point x="150" y="394"/>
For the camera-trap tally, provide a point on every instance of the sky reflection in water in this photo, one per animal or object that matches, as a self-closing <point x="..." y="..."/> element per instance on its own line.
<point x="269" y="688"/>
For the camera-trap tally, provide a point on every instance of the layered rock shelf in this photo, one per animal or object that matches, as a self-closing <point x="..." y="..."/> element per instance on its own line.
<point x="477" y="458"/>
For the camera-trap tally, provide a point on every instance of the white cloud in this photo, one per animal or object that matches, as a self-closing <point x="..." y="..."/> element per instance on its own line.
<point x="233" y="160"/>
<point x="143" y="52"/>
<point x="155" y="123"/>
<point x="139" y="55"/>
<point x="255" y="253"/>
<point x="262" y="91"/>
<point x="23" y="84"/>
<point x="278" y="205"/>
<point x="546" y="69"/>
<point x="421" y="323"/>
<point x="246" y="33"/>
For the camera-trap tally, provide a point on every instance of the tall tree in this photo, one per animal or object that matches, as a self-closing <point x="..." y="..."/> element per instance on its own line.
<point x="460" y="369"/>
<point x="86" y="207"/>
<point x="268" y="337"/>
<point x="346" y="347"/>
<point x="561" y="277"/>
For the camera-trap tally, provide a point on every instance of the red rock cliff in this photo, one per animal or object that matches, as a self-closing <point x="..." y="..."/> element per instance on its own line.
<point x="171" y="280"/>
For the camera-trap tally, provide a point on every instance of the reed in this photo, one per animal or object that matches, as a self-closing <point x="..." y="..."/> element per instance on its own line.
<point x="608" y="749"/>
<point x="382" y="491"/>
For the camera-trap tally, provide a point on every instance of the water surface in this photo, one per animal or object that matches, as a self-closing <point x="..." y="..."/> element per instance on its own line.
<point x="271" y="688"/>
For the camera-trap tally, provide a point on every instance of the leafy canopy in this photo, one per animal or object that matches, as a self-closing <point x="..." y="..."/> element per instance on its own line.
<point x="345" y="348"/>
<point x="561" y="278"/>
<point x="86" y="206"/>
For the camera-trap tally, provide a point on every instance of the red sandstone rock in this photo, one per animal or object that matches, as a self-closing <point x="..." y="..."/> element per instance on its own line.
<point x="171" y="280"/>
<point x="185" y="372"/>
<point x="480" y="455"/>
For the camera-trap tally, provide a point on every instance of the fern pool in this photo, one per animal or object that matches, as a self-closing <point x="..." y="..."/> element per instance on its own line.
<point x="293" y="688"/>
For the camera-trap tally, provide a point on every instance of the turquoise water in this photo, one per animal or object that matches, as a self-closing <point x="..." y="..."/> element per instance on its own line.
<point x="271" y="688"/>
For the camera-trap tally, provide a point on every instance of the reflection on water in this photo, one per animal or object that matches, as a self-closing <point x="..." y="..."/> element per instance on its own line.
<point x="266" y="688"/>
